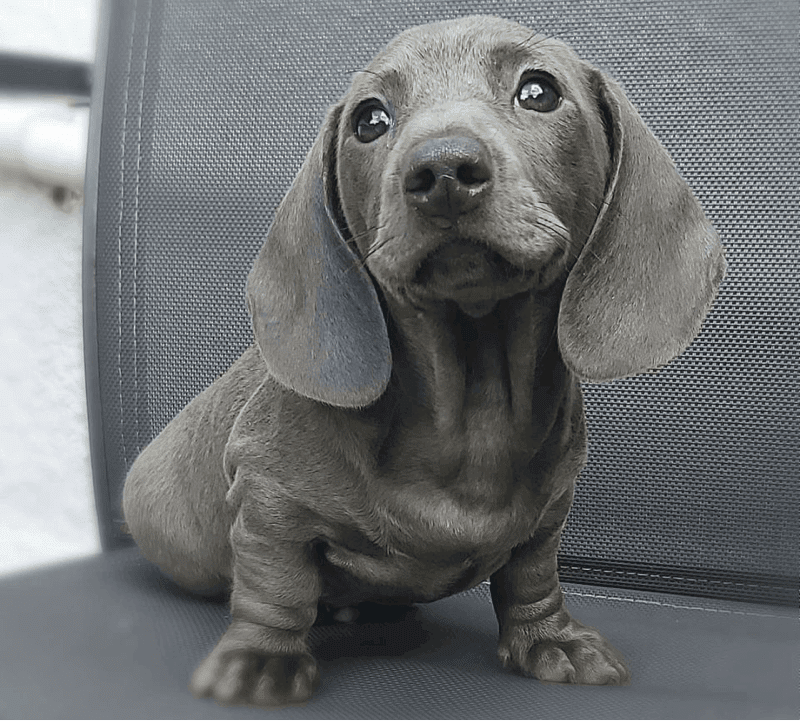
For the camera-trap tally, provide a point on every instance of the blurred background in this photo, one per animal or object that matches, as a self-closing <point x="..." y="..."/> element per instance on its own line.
<point x="46" y="503"/>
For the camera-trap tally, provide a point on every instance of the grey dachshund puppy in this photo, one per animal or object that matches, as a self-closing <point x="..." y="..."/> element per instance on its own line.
<point x="483" y="221"/>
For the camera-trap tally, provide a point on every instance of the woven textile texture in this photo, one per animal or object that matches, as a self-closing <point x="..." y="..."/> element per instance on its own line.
<point x="691" y="485"/>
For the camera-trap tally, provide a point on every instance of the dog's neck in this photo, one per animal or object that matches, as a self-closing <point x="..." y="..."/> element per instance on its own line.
<point x="481" y="379"/>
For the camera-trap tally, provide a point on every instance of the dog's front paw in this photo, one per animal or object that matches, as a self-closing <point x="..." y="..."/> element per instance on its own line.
<point x="576" y="654"/>
<point x="251" y="677"/>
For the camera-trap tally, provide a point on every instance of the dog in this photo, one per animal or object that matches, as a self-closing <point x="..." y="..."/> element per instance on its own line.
<point x="483" y="222"/>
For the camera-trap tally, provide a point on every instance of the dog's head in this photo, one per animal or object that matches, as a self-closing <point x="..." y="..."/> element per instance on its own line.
<point x="473" y="161"/>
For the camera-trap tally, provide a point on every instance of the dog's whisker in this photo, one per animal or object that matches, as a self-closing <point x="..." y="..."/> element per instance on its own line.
<point x="366" y="233"/>
<point x="560" y="236"/>
<point x="536" y="39"/>
<point x="365" y="71"/>
<point x="548" y="222"/>
<point x="374" y="249"/>
<point x="362" y="261"/>
<point x="563" y="241"/>
<point x="557" y="230"/>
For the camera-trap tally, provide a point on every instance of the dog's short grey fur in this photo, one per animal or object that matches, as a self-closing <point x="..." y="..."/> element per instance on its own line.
<point x="409" y="421"/>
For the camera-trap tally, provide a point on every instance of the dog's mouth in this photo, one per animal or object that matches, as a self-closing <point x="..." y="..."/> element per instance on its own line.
<point x="472" y="275"/>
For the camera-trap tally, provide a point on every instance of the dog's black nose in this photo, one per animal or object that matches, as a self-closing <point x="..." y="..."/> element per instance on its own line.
<point x="446" y="177"/>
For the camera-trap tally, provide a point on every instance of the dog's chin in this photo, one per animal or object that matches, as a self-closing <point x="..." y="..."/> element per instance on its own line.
<point x="477" y="309"/>
<point x="472" y="276"/>
<point x="475" y="301"/>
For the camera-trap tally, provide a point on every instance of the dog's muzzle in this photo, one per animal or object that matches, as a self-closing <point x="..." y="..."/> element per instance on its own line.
<point x="470" y="274"/>
<point x="445" y="179"/>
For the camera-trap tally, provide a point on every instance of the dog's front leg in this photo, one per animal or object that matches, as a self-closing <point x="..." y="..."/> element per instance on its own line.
<point x="538" y="637"/>
<point x="262" y="658"/>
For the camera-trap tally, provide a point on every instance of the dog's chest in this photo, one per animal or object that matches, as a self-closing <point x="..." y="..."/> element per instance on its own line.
<point x="412" y="512"/>
<point x="420" y="541"/>
<point x="466" y="492"/>
<point x="424" y="517"/>
<point x="434" y="513"/>
<point x="421" y="559"/>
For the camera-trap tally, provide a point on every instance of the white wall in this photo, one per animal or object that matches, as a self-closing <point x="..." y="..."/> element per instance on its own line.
<point x="46" y="505"/>
<point x="59" y="28"/>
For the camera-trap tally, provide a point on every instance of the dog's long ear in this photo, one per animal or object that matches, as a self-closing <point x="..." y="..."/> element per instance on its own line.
<point x="650" y="269"/>
<point x="316" y="315"/>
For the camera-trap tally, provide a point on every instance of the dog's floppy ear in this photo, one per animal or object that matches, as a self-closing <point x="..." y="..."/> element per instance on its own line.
<point x="651" y="266"/>
<point x="316" y="315"/>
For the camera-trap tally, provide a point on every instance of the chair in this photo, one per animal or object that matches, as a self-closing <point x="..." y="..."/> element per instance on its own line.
<point x="683" y="542"/>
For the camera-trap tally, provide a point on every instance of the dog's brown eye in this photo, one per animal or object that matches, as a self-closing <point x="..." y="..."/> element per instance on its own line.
<point x="538" y="94"/>
<point x="372" y="121"/>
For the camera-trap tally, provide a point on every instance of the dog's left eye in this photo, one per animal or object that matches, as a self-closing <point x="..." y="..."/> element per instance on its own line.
<point x="372" y="121"/>
<point x="538" y="94"/>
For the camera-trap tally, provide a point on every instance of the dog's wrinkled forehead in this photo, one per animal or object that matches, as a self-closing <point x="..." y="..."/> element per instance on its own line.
<point x="462" y="59"/>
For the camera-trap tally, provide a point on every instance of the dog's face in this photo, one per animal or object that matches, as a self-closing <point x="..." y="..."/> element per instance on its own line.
<point x="471" y="161"/>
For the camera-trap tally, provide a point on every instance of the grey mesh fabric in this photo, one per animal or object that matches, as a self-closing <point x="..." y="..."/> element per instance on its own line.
<point x="682" y="546"/>
<point x="208" y="112"/>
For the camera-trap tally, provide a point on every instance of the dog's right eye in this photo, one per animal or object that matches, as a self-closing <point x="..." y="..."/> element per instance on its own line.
<point x="371" y="121"/>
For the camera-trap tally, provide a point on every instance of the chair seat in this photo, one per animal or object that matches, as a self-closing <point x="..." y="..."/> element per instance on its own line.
<point x="109" y="637"/>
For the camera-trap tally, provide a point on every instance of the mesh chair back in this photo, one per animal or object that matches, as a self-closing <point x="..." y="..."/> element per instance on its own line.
<point x="200" y="124"/>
